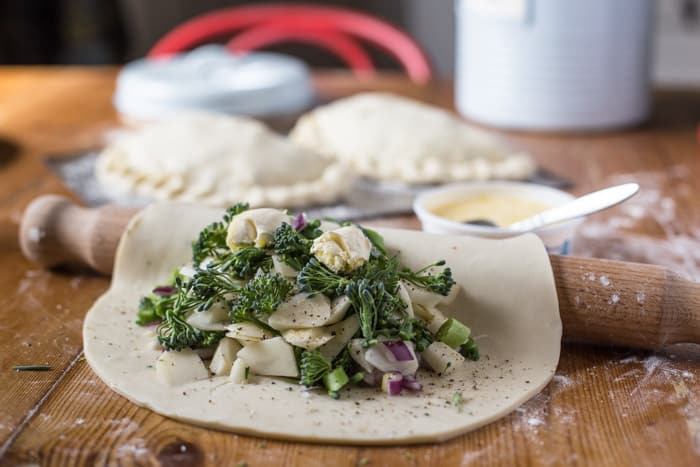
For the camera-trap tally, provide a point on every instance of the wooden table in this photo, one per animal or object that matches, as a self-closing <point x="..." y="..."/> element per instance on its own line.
<point x="604" y="406"/>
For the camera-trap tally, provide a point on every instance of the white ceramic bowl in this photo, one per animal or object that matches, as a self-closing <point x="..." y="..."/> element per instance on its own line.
<point x="557" y="238"/>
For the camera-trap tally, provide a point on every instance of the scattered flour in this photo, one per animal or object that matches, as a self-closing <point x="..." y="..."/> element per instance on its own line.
<point x="563" y="381"/>
<point x="653" y="380"/>
<point x="641" y="298"/>
<point x="605" y="281"/>
<point x="648" y="228"/>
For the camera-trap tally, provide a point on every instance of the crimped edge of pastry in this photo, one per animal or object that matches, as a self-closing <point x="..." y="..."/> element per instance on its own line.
<point x="119" y="177"/>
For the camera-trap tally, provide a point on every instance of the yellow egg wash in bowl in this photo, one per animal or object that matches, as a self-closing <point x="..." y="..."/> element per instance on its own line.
<point x="445" y="210"/>
<point x="502" y="210"/>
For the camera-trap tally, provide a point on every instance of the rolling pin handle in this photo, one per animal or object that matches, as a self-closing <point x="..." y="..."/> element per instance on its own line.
<point x="54" y="231"/>
<point x="634" y="305"/>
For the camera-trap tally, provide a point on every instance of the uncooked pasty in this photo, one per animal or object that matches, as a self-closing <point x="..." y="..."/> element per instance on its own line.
<point x="389" y="137"/>
<point x="506" y="293"/>
<point x="219" y="160"/>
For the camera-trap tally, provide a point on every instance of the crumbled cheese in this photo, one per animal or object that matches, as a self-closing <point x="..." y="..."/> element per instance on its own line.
<point x="342" y="250"/>
<point x="255" y="227"/>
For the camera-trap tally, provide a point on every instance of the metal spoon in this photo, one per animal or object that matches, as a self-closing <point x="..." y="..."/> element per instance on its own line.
<point x="581" y="206"/>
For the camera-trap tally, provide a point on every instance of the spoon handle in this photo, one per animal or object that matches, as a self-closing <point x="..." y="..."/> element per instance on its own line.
<point x="583" y="206"/>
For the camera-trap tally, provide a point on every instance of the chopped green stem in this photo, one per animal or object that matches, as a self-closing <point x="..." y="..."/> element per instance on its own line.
<point x="440" y="283"/>
<point x="357" y="377"/>
<point x="457" y="401"/>
<point x="376" y="240"/>
<point x="31" y="368"/>
<point x="313" y="367"/>
<point x="453" y="333"/>
<point x="335" y="379"/>
<point x="470" y="350"/>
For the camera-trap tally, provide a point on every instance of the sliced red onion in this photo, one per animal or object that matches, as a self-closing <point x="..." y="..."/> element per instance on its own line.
<point x="299" y="222"/>
<point x="380" y="357"/>
<point x="400" y="350"/>
<point x="164" y="290"/>
<point x="409" y="382"/>
<point x="391" y="383"/>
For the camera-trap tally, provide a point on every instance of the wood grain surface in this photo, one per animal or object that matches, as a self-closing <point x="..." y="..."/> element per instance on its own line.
<point x="603" y="407"/>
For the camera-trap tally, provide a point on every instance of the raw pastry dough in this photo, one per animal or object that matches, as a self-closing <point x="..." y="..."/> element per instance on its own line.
<point x="394" y="138"/>
<point x="219" y="160"/>
<point x="507" y="295"/>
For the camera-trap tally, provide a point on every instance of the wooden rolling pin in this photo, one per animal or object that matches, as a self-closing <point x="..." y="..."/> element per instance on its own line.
<point x="601" y="302"/>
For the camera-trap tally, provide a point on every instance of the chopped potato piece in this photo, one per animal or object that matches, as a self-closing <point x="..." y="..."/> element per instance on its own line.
<point x="342" y="332"/>
<point x="239" y="372"/>
<point x="442" y="358"/>
<point x="247" y="332"/>
<point x="271" y="357"/>
<point x="423" y="297"/>
<point x="213" y="319"/>
<point x="224" y="356"/>
<point x="406" y="299"/>
<point x="282" y="268"/>
<point x="180" y="367"/>
<point x="301" y="311"/>
<point x="432" y="316"/>
<point x="357" y="352"/>
<point x="307" y="338"/>
<point x="339" y="307"/>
